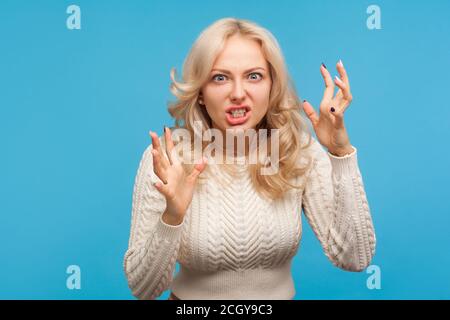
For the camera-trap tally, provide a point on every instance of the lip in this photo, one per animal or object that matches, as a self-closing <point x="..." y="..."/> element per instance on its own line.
<point x="237" y="121"/>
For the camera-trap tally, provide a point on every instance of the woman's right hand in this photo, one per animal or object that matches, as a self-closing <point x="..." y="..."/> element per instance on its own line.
<point x="178" y="185"/>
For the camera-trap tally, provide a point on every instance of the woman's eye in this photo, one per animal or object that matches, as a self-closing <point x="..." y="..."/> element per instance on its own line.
<point x="255" y="76"/>
<point x="252" y="76"/>
<point x="219" y="77"/>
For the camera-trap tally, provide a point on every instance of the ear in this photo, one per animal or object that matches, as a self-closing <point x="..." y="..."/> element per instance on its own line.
<point x="200" y="99"/>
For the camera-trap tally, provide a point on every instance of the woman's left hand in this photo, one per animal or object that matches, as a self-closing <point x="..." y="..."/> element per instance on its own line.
<point x="329" y="125"/>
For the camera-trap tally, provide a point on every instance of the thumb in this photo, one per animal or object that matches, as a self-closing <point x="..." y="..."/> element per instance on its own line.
<point x="310" y="112"/>
<point x="198" y="168"/>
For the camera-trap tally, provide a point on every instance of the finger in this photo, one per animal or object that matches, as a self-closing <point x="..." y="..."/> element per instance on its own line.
<point x="157" y="146"/>
<point x="338" y="116"/>
<point x="343" y="73"/>
<point x="170" y="148"/>
<point x="329" y="84"/>
<point x="343" y="106"/>
<point x="162" y="188"/>
<point x="157" y="167"/>
<point x="309" y="110"/>
<point x="344" y="89"/>
<point x="198" y="168"/>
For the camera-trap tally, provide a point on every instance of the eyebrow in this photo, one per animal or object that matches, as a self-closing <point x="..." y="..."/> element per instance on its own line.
<point x="246" y="71"/>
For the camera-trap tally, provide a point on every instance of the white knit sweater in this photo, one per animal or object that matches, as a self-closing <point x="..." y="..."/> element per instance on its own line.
<point x="235" y="244"/>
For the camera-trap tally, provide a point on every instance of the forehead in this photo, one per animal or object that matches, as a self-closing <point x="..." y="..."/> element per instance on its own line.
<point x="240" y="52"/>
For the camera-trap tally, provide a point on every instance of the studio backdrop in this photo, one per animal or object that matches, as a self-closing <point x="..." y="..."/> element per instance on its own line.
<point x="83" y="82"/>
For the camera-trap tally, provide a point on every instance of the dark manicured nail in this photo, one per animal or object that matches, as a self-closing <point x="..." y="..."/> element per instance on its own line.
<point x="304" y="100"/>
<point x="332" y="109"/>
<point x="324" y="65"/>
<point x="164" y="129"/>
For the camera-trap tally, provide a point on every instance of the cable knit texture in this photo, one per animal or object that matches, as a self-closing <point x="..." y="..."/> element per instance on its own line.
<point x="235" y="244"/>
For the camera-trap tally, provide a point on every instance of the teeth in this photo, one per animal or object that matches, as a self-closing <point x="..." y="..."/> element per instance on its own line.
<point x="238" y="113"/>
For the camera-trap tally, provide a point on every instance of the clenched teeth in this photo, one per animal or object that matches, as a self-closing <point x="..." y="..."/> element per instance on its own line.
<point x="238" y="113"/>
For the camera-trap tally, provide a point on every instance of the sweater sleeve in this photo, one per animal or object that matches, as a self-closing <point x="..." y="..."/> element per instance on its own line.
<point x="335" y="204"/>
<point x="153" y="245"/>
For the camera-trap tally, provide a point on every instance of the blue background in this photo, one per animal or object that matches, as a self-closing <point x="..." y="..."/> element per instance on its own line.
<point x="76" y="107"/>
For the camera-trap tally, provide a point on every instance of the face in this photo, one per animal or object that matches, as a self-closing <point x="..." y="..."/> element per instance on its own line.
<point x="237" y="92"/>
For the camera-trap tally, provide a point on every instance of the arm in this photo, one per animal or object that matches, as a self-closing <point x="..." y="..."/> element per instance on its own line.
<point x="335" y="204"/>
<point x="154" y="242"/>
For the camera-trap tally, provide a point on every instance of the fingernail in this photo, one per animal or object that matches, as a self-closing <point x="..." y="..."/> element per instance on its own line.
<point x="304" y="100"/>
<point x="164" y="128"/>
<point x="340" y="62"/>
<point x="332" y="109"/>
<point x="324" y="65"/>
<point x="339" y="80"/>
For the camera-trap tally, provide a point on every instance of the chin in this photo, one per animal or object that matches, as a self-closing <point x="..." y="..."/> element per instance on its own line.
<point x="240" y="127"/>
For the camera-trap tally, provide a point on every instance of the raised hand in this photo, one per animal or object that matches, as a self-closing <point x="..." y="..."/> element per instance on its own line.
<point x="178" y="185"/>
<point x="329" y="124"/>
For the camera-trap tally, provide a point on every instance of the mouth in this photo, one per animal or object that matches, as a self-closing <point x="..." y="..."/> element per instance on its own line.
<point x="237" y="115"/>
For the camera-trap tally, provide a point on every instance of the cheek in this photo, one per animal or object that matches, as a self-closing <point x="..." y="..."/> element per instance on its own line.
<point x="214" y="98"/>
<point x="215" y="94"/>
<point x="261" y="96"/>
<point x="211" y="99"/>
<point x="261" y="92"/>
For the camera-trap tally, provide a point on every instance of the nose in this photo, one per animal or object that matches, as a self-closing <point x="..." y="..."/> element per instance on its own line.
<point x="237" y="92"/>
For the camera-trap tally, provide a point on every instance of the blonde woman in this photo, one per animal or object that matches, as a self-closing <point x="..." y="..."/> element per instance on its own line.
<point x="233" y="230"/>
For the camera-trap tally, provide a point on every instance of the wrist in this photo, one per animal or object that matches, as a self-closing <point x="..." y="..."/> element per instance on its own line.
<point x="341" y="152"/>
<point x="170" y="219"/>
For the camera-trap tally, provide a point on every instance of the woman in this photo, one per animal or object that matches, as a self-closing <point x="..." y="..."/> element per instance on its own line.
<point x="235" y="231"/>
